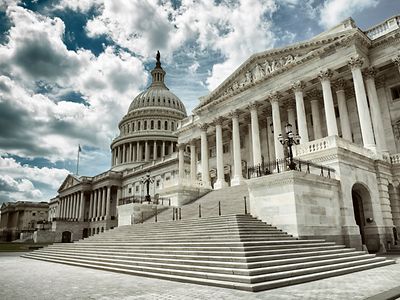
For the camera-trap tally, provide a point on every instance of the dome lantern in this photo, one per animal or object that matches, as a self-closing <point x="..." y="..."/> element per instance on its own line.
<point x="158" y="73"/>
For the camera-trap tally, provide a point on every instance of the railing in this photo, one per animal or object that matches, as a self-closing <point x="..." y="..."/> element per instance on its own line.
<point x="395" y="158"/>
<point x="194" y="211"/>
<point x="282" y="165"/>
<point x="143" y="199"/>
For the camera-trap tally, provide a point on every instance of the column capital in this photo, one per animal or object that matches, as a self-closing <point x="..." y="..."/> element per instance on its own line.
<point x="339" y="85"/>
<point x="355" y="62"/>
<point x="325" y="75"/>
<point x="252" y="106"/>
<point x="203" y="127"/>
<point x="181" y="146"/>
<point x="218" y="121"/>
<point x="274" y="97"/>
<point x="234" y="114"/>
<point x="298" y="86"/>
<point x="314" y="94"/>
<point x="290" y="104"/>
<point x="369" y="73"/>
<point x="193" y="142"/>
<point x="396" y="60"/>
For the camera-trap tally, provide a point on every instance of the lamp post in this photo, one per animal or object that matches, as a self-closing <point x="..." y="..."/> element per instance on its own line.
<point x="147" y="180"/>
<point x="290" y="140"/>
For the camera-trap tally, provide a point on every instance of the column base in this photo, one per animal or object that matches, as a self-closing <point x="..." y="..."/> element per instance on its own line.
<point x="237" y="180"/>
<point x="219" y="184"/>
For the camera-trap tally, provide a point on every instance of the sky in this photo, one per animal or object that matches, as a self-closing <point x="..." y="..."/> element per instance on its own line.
<point x="70" y="68"/>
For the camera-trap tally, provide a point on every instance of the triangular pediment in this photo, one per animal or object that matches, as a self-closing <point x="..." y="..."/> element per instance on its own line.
<point x="69" y="182"/>
<point x="265" y="65"/>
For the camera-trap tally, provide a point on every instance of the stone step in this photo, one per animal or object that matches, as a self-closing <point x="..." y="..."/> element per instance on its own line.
<point x="253" y="256"/>
<point x="215" y="263"/>
<point x="195" y="248"/>
<point x="227" y="276"/>
<point x="235" y="285"/>
<point x="222" y="268"/>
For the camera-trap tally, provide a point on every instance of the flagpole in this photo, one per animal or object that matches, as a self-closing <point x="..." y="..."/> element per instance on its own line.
<point x="77" y="161"/>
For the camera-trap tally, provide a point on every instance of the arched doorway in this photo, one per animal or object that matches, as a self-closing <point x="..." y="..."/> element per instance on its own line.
<point x="85" y="233"/>
<point x="362" y="207"/>
<point x="66" y="237"/>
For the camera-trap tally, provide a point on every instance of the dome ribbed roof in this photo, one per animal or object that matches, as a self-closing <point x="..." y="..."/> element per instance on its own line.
<point x="157" y="94"/>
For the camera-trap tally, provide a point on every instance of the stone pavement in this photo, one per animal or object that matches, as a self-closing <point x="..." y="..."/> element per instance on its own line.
<point x="22" y="278"/>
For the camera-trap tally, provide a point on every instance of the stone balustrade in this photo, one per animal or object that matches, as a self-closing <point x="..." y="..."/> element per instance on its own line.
<point x="329" y="143"/>
<point x="383" y="28"/>
<point x="395" y="158"/>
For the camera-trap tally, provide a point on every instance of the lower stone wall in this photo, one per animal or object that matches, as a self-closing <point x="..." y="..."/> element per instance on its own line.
<point x="304" y="205"/>
<point x="44" y="236"/>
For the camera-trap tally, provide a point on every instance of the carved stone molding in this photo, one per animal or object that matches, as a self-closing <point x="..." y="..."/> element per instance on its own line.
<point x="369" y="73"/>
<point x="325" y="75"/>
<point x="355" y="62"/>
<point x="340" y="85"/>
<point x="298" y="86"/>
<point x="218" y="121"/>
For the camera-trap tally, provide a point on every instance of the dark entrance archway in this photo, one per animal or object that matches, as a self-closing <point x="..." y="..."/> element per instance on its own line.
<point x="66" y="237"/>
<point x="85" y="233"/>
<point x="363" y="214"/>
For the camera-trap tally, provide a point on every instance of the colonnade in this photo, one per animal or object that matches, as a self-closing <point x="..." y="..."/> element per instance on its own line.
<point x="141" y="151"/>
<point x="100" y="204"/>
<point x="371" y="129"/>
<point x="72" y="206"/>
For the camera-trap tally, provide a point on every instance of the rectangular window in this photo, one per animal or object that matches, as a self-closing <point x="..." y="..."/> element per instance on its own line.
<point x="225" y="148"/>
<point x="129" y="190"/>
<point x="137" y="188"/>
<point x="395" y="92"/>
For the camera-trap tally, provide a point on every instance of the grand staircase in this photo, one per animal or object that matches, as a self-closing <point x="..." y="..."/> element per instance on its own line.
<point x="233" y="251"/>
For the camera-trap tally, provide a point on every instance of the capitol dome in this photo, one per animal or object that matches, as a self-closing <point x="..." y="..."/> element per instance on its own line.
<point x="147" y="131"/>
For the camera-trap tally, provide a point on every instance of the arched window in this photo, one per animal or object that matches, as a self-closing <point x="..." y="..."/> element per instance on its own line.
<point x="145" y="125"/>
<point x="138" y="125"/>
<point x="172" y="126"/>
<point x="166" y="125"/>
<point x="152" y="124"/>
<point x="133" y="126"/>
<point x="159" y="124"/>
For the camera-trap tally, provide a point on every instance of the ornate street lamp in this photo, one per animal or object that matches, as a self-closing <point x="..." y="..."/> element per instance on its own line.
<point x="147" y="180"/>
<point x="290" y="140"/>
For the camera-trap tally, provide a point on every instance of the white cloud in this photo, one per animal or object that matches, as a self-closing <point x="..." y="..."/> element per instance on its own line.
<point x="335" y="11"/>
<point x="79" y="5"/>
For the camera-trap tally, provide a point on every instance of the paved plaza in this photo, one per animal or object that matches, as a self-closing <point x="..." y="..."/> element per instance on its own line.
<point x="31" y="279"/>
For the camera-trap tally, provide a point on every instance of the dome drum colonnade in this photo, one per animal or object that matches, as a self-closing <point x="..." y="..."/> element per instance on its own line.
<point x="368" y="109"/>
<point x="147" y="130"/>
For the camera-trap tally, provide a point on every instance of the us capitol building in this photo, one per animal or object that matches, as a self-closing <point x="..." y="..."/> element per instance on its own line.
<point x="340" y="91"/>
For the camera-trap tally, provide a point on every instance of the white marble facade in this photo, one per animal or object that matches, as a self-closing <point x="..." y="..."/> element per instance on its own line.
<point x="341" y="92"/>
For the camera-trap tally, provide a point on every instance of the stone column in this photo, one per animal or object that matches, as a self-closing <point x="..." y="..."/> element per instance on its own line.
<point x="95" y="204"/>
<point x="276" y="119"/>
<point x="355" y="64"/>
<point x="315" y="96"/>
<point x="205" y="175"/>
<point x="134" y="154"/>
<point x="220" y="183"/>
<point x="68" y="206"/>
<point x="138" y="152"/>
<point x="255" y="134"/>
<point x="81" y="207"/>
<point x="396" y="61"/>
<point x="291" y="112"/>
<point x="343" y="112"/>
<point x="103" y="202"/>
<point x="75" y="206"/>
<point x="163" y="149"/>
<point x="270" y="137"/>
<point x="99" y="202"/>
<point x="237" y="178"/>
<point x="155" y="150"/>
<point x="376" y="114"/>
<point x="123" y="153"/>
<point x="91" y="206"/>
<point x="181" y="162"/>
<point x="301" y="112"/>
<point x="108" y="204"/>
<point x="146" y="151"/>
<point x="129" y="159"/>
<point x="325" y="78"/>
<point x="171" y="147"/>
<point x="193" y="160"/>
